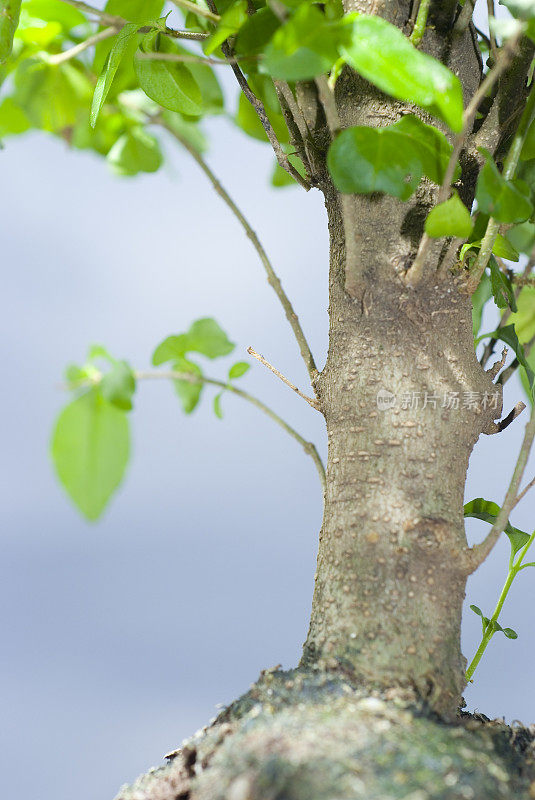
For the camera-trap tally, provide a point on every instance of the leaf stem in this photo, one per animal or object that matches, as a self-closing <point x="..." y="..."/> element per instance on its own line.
<point x="421" y="21"/>
<point x="307" y="446"/>
<point x="477" y="554"/>
<point x="509" y="168"/>
<point x="272" y="277"/>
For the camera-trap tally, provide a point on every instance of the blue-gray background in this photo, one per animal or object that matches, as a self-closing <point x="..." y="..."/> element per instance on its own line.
<point x="118" y="639"/>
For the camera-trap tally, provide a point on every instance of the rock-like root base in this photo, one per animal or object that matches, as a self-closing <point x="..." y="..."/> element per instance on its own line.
<point x="310" y="735"/>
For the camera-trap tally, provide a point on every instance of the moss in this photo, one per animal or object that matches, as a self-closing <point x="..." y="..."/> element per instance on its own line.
<point x="313" y="736"/>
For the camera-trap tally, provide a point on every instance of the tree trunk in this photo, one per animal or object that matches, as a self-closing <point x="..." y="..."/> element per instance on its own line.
<point x="405" y="399"/>
<point x="368" y="713"/>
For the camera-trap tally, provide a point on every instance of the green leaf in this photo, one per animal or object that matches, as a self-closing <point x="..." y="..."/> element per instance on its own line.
<point x="499" y="198"/>
<point x="9" y="19"/>
<point x="229" y="24"/>
<point x="13" y="120"/>
<point x="204" y="336"/>
<point x="488" y="511"/>
<point x="256" y="32"/>
<point x="363" y="160"/>
<point x="510" y="633"/>
<point x="140" y="11"/>
<point x="238" y="369"/>
<point x="172" y="85"/>
<point x="384" y="56"/>
<point x="450" y="218"/>
<point x="482" y="294"/>
<point x="52" y="97"/>
<point x="504" y="249"/>
<point x="55" y="11"/>
<point x="522" y="237"/>
<point x="306" y="45"/>
<point x="502" y="289"/>
<point x="521" y="9"/>
<point x="524" y="318"/>
<point x="477" y="611"/>
<point x="90" y="450"/>
<point x="105" y="80"/>
<point x="188" y="392"/>
<point x="433" y="148"/>
<point x="217" y="406"/>
<point x="134" y="152"/>
<point x="118" y="385"/>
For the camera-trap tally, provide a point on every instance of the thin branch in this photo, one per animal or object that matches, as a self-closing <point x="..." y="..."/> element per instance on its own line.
<point x="498" y="427"/>
<point x="258" y="106"/>
<point x="272" y="277"/>
<point x="66" y="55"/>
<point x="309" y="400"/>
<point x="465" y="17"/>
<point x="416" y="272"/>
<point x="477" y="554"/>
<point x="119" y="22"/>
<point x="308" y="447"/>
<point x="524" y="491"/>
<point x="421" y="21"/>
<point x="195" y="9"/>
<point x="492" y="38"/>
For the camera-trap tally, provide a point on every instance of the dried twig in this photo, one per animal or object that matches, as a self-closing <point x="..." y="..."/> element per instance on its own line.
<point x="309" y="400"/>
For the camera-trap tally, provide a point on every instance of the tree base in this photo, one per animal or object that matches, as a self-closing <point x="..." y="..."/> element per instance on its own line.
<point x="312" y="735"/>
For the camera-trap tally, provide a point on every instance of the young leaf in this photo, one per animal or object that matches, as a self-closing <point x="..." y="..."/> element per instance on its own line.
<point x="105" y="80"/>
<point x="510" y="633"/>
<point x="9" y="19"/>
<point x="204" y="336"/>
<point x="502" y="289"/>
<point x="488" y="511"/>
<point x="305" y="46"/>
<point x="383" y="55"/>
<point x="499" y="198"/>
<point x="504" y="249"/>
<point x="477" y="610"/>
<point x="170" y="84"/>
<point x="238" y="369"/>
<point x="135" y="151"/>
<point x="363" y="160"/>
<point x="450" y="218"/>
<point x="217" y="406"/>
<point x="90" y="449"/>
<point x="118" y="386"/>
<point x="188" y="392"/>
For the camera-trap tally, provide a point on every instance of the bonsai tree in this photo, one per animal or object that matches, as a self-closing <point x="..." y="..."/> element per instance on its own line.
<point x="418" y="129"/>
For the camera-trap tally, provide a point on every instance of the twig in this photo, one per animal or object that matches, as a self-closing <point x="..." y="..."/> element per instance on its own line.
<point x="258" y="106"/>
<point x="119" y="22"/>
<point x="525" y="491"/>
<point x="504" y="423"/>
<point x="66" y="55"/>
<point x="492" y="38"/>
<point x="309" y="400"/>
<point x="464" y="18"/>
<point x="493" y="371"/>
<point x="273" y="280"/>
<point x="477" y="554"/>
<point x="308" y="447"/>
<point x="195" y="9"/>
<point x="416" y="271"/>
<point x="421" y="21"/>
<point x="513" y="366"/>
<point x="509" y="168"/>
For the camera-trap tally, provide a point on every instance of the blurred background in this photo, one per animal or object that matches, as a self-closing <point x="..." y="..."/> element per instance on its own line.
<point x="120" y="638"/>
